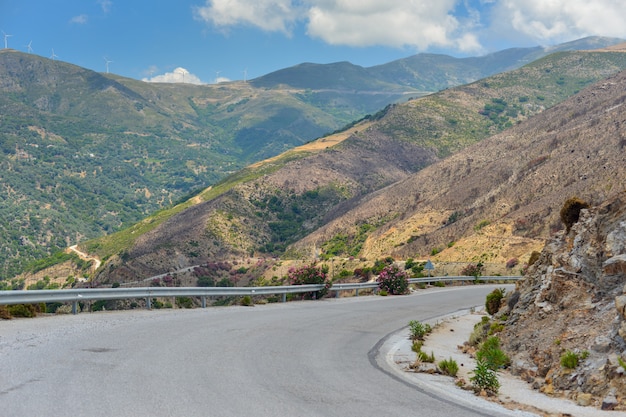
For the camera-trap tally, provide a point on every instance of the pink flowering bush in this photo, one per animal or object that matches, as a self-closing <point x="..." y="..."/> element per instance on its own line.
<point x="310" y="274"/>
<point x="473" y="270"/>
<point x="393" y="280"/>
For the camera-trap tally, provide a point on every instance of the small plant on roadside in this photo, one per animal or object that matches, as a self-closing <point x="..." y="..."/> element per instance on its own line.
<point x="419" y="330"/>
<point x="621" y="362"/>
<point x="393" y="280"/>
<point x="424" y="357"/>
<point x="491" y="354"/>
<point x="449" y="367"/>
<point x="246" y="301"/>
<point x="570" y="359"/>
<point x="485" y="378"/>
<point x="383" y="293"/>
<point x="417" y="346"/>
<point x="494" y="298"/>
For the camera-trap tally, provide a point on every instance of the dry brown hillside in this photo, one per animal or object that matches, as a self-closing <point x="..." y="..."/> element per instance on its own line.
<point x="500" y="198"/>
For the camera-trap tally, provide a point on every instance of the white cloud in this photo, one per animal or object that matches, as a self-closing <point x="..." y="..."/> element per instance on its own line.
<point x="418" y="23"/>
<point x="423" y="24"/>
<point x="563" y="20"/>
<point x="179" y="75"/>
<point x="105" y="5"/>
<point x="268" y="15"/>
<point x="80" y="19"/>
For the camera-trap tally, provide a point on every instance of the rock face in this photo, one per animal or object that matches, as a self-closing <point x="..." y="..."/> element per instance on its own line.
<point x="573" y="299"/>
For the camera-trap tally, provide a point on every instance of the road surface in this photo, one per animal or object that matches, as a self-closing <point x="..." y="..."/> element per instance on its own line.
<point x="310" y="358"/>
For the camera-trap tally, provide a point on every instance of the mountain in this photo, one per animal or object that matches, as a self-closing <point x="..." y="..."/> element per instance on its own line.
<point x="367" y="192"/>
<point x="500" y="198"/>
<point x="425" y="72"/>
<point x="85" y="154"/>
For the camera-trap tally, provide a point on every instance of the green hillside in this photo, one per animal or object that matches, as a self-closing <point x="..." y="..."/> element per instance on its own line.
<point x="263" y="209"/>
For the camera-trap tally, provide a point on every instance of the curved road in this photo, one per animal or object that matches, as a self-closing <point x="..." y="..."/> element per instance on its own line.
<point x="317" y="358"/>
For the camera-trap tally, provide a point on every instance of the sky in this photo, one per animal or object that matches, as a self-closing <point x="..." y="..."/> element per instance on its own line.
<point x="209" y="41"/>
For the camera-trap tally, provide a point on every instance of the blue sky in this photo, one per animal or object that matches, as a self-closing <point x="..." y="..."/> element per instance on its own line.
<point x="204" y="41"/>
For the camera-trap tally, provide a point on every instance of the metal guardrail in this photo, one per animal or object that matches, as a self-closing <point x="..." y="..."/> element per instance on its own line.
<point x="148" y="293"/>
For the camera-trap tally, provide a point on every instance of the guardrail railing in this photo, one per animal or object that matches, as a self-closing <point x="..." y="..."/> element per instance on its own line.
<point x="148" y="293"/>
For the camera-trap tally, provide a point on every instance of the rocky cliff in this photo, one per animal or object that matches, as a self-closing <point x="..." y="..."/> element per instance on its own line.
<point x="572" y="304"/>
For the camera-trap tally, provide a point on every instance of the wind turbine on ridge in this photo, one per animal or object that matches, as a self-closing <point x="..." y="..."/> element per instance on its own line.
<point x="6" y="37"/>
<point x="107" y="62"/>
<point x="53" y="55"/>
<point x="30" y="49"/>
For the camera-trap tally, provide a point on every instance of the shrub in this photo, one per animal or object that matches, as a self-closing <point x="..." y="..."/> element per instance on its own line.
<point x="184" y="302"/>
<point x="419" y="330"/>
<point x="491" y="354"/>
<point x="494" y="298"/>
<point x="393" y="280"/>
<point x="310" y="274"/>
<point x="621" y="363"/>
<point x="570" y="212"/>
<point x="4" y="313"/>
<point x="512" y="263"/>
<point x="473" y="270"/>
<point x="22" y="310"/>
<point x="247" y="301"/>
<point x="534" y="257"/>
<point x="424" y="357"/>
<point x="571" y="359"/>
<point x="449" y="367"/>
<point x="485" y="378"/>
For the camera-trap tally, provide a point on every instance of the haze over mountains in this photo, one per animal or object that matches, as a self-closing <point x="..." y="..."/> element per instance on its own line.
<point x="86" y="153"/>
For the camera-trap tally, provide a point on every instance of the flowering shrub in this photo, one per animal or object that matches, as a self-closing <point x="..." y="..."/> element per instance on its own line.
<point x="310" y="274"/>
<point x="393" y="280"/>
<point x="511" y="263"/>
<point x="472" y="270"/>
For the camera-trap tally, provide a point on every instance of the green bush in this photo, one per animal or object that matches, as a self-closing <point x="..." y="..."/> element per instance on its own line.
<point x="22" y="310"/>
<point x="247" y="301"/>
<point x="485" y="378"/>
<point x="492" y="304"/>
<point x="424" y="357"/>
<point x="570" y="212"/>
<point x="184" y="302"/>
<point x="449" y="367"/>
<point x="419" y="330"/>
<point x="491" y="354"/>
<point x="571" y="359"/>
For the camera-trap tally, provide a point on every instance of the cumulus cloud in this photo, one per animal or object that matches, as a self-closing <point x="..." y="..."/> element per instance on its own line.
<point x="80" y="19"/>
<point x="422" y="24"/>
<point x="179" y="75"/>
<point x="561" y="20"/>
<point x="268" y="15"/>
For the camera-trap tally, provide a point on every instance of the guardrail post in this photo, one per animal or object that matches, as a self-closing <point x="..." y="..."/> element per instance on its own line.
<point x="203" y="300"/>
<point x="74" y="307"/>
<point x="356" y="293"/>
<point x="284" y="297"/>
<point x="148" y="303"/>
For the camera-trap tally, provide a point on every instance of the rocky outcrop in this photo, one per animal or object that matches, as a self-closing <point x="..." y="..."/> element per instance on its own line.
<point x="573" y="301"/>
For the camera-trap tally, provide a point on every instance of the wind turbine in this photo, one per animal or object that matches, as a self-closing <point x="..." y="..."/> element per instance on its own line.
<point x="53" y="55"/>
<point x="107" y="62"/>
<point x="217" y="76"/>
<point x="30" y="49"/>
<point x="6" y="37"/>
<point x="182" y="71"/>
<point x="245" y="75"/>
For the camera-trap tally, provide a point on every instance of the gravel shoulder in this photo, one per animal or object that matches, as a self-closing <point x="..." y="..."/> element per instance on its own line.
<point x="448" y="334"/>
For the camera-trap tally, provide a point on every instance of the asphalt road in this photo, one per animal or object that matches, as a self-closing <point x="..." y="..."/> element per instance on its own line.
<point x="313" y="358"/>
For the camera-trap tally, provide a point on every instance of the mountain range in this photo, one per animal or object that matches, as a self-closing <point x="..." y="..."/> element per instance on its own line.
<point x="87" y="153"/>
<point x="476" y="173"/>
